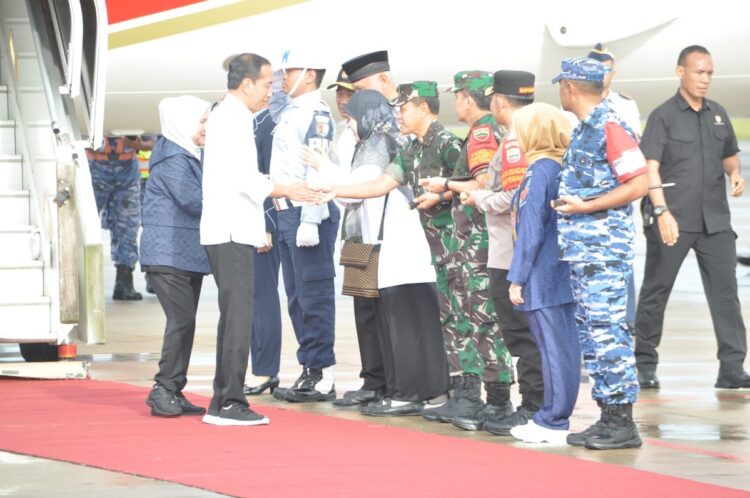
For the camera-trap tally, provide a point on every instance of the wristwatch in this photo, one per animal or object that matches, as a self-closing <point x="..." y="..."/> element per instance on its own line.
<point x="660" y="210"/>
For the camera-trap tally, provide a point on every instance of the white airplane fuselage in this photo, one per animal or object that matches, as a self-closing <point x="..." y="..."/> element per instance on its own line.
<point x="425" y="41"/>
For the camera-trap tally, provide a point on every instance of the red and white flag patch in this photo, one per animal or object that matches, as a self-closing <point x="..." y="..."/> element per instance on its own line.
<point x="623" y="153"/>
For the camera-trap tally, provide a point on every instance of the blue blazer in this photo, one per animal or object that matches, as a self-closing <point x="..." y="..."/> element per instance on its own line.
<point x="172" y="210"/>
<point x="536" y="263"/>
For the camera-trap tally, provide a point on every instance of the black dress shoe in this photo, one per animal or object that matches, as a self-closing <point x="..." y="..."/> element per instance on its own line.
<point x="744" y="260"/>
<point x="356" y="398"/>
<point x="386" y="408"/>
<point x="733" y="379"/>
<point x="648" y="380"/>
<point x="272" y="383"/>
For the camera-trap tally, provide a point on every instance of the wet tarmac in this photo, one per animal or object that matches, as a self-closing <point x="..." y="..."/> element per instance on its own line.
<point x="690" y="429"/>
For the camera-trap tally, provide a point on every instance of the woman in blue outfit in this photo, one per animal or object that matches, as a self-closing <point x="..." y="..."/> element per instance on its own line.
<point x="171" y="253"/>
<point x="540" y="282"/>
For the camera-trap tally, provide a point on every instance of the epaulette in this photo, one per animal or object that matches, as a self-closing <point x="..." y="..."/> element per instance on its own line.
<point x="626" y="97"/>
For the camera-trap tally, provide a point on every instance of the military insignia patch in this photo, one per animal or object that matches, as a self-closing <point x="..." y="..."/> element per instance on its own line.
<point x="513" y="154"/>
<point x="718" y="119"/>
<point x="482" y="133"/>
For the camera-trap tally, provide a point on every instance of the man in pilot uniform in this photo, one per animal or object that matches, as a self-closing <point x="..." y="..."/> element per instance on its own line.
<point x="307" y="233"/>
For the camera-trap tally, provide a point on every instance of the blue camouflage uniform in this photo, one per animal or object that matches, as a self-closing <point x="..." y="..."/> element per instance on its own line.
<point x="116" y="182"/>
<point x="308" y="272"/>
<point x="599" y="248"/>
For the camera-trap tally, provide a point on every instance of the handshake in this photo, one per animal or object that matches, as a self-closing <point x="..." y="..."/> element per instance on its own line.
<point x="309" y="193"/>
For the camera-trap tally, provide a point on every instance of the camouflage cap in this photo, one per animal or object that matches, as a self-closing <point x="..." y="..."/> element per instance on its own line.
<point x="471" y="80"/>
<point x="580" y="69"/>
<point x="408" y="91"/>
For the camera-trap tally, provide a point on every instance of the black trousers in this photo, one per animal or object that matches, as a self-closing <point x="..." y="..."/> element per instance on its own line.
<point x="717" y="261"/>
<point x="411" y="340"/>
<point x="178" y="293"/>
<point x="232" y="267"/>
<point x="519" y="341"/>
<point x="365" y="320"/>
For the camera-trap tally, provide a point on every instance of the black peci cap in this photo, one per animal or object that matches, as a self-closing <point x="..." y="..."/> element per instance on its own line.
<point x="362" y="66"/>
<point x="513" y="83"/>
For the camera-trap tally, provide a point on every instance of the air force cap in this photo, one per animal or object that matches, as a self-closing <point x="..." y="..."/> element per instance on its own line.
<point x="513" y="83"/>
<point x="580" y="69"/>
<point x="300" y="59"/>
<point x="362" y="66"/>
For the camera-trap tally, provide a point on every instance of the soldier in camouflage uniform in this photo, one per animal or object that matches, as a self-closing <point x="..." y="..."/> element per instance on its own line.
<point x="116" y="182"/>
<point x="435" y="152"/>
<point x="476" y="352"/>
<point x="603" y="171"/>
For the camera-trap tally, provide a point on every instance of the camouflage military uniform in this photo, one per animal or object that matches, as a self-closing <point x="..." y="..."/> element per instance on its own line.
<point x="116" y="183"/>
<point x="599" y="247"/>
<point x="478" y="347"/>
<point x="435" y="155"/>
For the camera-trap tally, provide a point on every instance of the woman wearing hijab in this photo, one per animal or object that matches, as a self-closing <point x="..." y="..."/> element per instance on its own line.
<point x="407" y="312"/>
<point x="540" y="282"/>
<point x="171" y="253"/>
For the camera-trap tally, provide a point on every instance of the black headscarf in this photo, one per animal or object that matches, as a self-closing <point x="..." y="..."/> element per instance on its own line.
<point x="374" y="116"/>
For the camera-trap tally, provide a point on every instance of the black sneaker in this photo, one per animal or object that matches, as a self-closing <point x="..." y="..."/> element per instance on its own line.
<point x="163" y="402"/>
<point x="187" y="407"/>
<point x="236" y="414"/>
<point x="503" y="426"/>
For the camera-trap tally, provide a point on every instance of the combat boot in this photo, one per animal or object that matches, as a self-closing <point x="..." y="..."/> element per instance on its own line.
<point x="620" y="430"/>
<point x="124" y="290"/>
<point x="599" y="427"/>
<point x="497" y="408"/>
<point x="466" y="401"/>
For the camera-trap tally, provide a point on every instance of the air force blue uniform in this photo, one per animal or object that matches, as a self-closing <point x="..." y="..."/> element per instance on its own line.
<point x="308" y="271"/>
<point x="599" y="248"/>
<point x="265" y="348"/>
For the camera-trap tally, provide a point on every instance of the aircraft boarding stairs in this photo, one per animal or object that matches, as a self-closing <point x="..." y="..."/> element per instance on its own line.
<point x="50" y="267"/>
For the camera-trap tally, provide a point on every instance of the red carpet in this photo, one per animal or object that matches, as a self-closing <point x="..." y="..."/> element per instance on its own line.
<point x="107" y="425"/>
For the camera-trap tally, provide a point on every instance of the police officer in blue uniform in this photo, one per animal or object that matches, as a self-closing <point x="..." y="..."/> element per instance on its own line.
<point x="603" y="171"/>
<point x="307" y="233"/>
<point x="116" y="182"/>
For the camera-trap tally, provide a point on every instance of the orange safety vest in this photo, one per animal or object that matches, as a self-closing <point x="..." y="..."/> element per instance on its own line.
<point x="106" y="153"/>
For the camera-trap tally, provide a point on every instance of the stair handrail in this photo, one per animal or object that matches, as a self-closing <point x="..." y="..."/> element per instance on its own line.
<point x="79" y="246"/>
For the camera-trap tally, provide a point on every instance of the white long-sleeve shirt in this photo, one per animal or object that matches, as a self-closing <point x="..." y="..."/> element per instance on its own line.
<point x="233" y="188"/>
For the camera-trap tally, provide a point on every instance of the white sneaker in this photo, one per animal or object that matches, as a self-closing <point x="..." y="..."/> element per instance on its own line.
<point x="533" y="433"/>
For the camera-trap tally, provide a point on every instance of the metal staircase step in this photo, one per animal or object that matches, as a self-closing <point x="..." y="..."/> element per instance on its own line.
<point x="20" y="243"/>
<point x="3" y="103"/>
<point x="7" y="137"/>
<point x="11" y="172"/>
<point x="27" y="318"/>
<point x="21" y="280"/>
<point x="14" y="204"/>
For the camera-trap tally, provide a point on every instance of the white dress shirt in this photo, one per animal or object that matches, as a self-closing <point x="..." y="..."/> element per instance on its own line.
<point x="233" y="188"/>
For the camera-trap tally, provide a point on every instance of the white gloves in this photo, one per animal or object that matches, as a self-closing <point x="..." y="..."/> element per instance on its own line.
<point x="307" y="234"/>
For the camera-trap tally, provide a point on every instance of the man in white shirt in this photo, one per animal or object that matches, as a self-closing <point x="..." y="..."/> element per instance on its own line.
<point x="232" y="226"/>
<point x="307" y="233"/>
